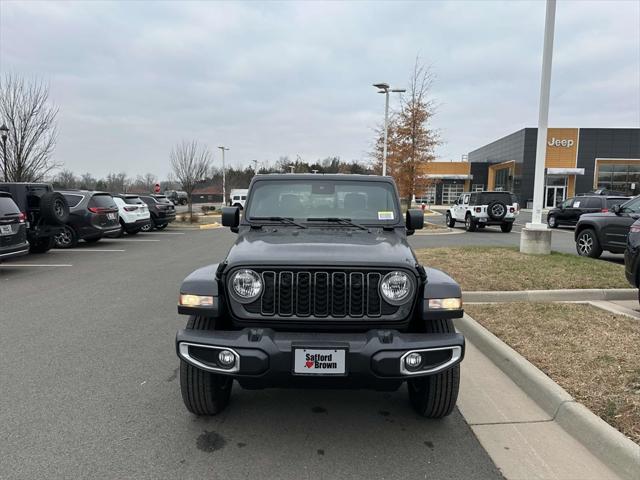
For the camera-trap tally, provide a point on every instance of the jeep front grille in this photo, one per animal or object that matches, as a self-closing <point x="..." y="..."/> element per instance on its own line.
<point x="321" y="293"/>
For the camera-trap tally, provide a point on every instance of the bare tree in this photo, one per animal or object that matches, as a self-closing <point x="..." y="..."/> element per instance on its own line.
<point x="65" y="179"/>
<point x="88" y="181"/>
<point x="117" y="182"/>
<point x="150" y="181"/>
<point x="25" y="109"/>
<point x="191" y="163"/>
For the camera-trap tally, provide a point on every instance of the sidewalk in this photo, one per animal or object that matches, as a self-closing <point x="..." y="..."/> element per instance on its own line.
<point x="523" y="441"/>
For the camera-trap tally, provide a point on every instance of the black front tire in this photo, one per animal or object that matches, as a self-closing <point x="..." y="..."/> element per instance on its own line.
<point x="552" y="221"/>
<point x="451" y="222"/>
<point x="587" y="244"/>
<point x="435" y="396"/>
<point x="203" y="393"/>
<point x="506" y="227"/>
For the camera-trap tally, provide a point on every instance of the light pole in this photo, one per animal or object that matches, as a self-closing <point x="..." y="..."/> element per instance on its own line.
<point x="224" y="178"/>
<point x="535" y="237"/>
<point x="4" y="133"/>
<point x="384" y="88"/>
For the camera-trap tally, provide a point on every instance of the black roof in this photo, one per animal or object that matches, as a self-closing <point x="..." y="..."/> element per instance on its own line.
<point x="323" y="176"/>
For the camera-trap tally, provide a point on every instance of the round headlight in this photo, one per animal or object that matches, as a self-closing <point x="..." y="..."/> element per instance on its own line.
<point x="246" y="285"/>
<point x="396" y="288"/>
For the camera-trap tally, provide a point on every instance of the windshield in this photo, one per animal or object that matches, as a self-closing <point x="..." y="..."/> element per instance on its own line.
<point x="363" y="201"/>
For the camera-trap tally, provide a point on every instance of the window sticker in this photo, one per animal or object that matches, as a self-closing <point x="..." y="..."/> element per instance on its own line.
<point x="385" y="215"/>
<point x="576" y="204"/>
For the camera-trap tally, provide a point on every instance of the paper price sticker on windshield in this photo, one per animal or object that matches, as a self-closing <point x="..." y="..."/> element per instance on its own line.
<point x="385" y="215"/>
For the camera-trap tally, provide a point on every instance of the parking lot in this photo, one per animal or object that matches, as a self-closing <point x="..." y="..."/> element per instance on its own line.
<point x="90" y="386"/>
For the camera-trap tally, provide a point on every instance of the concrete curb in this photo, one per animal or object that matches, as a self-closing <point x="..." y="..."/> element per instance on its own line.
<point x="605" y="442"/>
<point x="578" y="295"/>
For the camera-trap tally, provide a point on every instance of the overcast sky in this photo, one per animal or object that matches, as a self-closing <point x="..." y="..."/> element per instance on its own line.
<point x="273" y="79"/>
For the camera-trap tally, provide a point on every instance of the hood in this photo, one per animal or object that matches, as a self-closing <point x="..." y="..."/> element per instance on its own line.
<point x="321" y="246"/>
<point x="598" y="215"/>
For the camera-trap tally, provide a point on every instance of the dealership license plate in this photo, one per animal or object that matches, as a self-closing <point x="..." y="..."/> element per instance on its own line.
<point x="111" y="216"/>
<point x="312" y="361"/>
<point x="6" y="230"/>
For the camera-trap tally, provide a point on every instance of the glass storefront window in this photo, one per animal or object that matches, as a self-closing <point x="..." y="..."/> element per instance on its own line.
<point x="619" y="177"/>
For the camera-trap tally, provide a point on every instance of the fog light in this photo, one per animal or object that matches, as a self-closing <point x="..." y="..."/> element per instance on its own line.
<point x="226" y="358"/>
<point x="413" y="360"/>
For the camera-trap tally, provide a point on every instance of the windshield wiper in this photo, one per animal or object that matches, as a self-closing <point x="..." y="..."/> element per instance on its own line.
<point x="341" y="221"/>
<point x="285" y="220"/>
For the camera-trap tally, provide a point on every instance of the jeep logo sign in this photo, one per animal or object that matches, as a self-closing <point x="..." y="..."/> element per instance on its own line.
<point x="556" y="142"/>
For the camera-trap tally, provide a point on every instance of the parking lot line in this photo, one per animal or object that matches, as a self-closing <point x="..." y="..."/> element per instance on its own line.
<point x="130" y="240"/>
<point x="88" y="250"/>
<point x="163" y="233"/>
<point x="35" y="265"/>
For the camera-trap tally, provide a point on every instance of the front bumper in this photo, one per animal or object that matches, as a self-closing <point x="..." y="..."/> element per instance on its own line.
<point x="374" y="359"/>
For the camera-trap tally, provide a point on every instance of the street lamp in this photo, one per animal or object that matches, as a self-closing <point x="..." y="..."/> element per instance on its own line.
<point x="384" y="88"/>
<point x="224" y="178"/>
<point x="4" y="133"/>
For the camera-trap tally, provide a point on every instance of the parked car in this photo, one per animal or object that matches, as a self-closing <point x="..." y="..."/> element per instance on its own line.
<point x="632" y="256"/>
<point x="133" y="213"/>
<point x="46" y="212"/>
<point x="162" y="211"/>
<point x="13" y="229"/>
<point x="569" y="211"/>
<point x="177" y="197"/>
<point x="596" y="232"/>
<point x="479" y="209"/>
<point x="238" y="197"/>
<point x="321" y="290"/>
<point x="92" y="215"/>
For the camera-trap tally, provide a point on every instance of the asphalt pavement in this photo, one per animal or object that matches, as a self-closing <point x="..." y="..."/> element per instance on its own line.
<point x="89" y="384"/>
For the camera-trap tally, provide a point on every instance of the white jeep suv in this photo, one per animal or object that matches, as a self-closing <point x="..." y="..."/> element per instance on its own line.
<point x="479" y="209"/>
<point x="133" y="212"/>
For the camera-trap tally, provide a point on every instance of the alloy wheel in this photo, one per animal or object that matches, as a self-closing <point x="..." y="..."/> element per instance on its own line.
<point x="585" y="244"/>
<point x="63" y="239"/>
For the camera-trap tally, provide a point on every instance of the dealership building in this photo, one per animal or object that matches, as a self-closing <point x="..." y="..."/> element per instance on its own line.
<point x="577" y="160"/>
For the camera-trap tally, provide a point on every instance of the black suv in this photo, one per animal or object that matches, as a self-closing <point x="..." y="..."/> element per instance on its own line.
<point x="163" y="212"/>
<point x="569" y="211"/>
<point x="46" y="212"/>
<point x="13" y="230"/>
<point x="92" y="215"/>
<point x="596" y="232"/>
<point x="321" y="289"/>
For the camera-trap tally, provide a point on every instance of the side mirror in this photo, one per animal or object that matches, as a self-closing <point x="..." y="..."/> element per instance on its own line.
<point x="617" y="209"/>
<point x="415" y="220"/>
<point x="231" y="218"/>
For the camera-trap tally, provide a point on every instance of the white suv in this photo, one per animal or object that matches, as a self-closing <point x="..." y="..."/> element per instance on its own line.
<point x="134" y="213"/>
<point x="479" y="209"/>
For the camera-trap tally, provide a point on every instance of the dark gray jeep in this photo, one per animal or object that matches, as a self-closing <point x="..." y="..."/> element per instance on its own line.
<point x="321" y="289"/>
